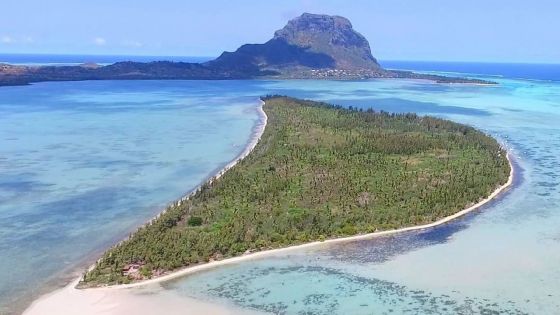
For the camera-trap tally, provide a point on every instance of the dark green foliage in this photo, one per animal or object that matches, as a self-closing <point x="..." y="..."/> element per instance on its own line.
<point x="319" y="171"/>
<point x="195" y="221"/>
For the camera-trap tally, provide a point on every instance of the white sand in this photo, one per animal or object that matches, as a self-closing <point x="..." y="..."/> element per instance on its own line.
<point x="116" y="300"/>
<point x="70" y="301"/>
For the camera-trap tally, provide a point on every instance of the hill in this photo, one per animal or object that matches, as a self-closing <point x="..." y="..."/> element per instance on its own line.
<point x="310" y="41"/>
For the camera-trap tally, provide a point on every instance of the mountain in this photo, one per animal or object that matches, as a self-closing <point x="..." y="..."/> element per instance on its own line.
<point x="311" y="46"/>
<point x="310" y="41"/>
<point x="332" y="36"/>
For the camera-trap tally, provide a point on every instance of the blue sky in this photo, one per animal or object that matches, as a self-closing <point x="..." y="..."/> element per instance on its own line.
<point x="474" y="30"/>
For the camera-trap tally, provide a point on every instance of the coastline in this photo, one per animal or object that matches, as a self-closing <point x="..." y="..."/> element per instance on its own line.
<point x="70" y="288"/>
<point x="253" y="141"/>
<point x="260" y="254"/>
<point x="71" y="301"/>
<point x="48" y="302"/>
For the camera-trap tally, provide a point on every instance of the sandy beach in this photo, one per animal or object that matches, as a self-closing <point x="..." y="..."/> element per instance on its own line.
<point x="130" y="299"/>
<point x="151" y="300"/>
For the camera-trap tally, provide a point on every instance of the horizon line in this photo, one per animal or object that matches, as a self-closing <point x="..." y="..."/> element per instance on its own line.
<point x="213" y="57"/>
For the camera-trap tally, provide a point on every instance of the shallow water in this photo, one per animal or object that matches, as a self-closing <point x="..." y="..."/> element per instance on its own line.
<point x="502" y="259"/>
<point x="83" y="163"/>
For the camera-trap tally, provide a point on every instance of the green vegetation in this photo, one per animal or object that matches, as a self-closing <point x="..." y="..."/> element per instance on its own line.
<point x="195" y="221"/>
<point x="318" y="172"/>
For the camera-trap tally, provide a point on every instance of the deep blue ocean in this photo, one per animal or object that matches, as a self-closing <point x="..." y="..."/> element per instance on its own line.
<point x="531" y="71"/>
<point x="82" y="164"/>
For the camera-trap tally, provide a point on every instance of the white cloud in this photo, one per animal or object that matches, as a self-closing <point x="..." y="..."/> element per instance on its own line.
<point x="99" y="41"/>
<point x="6" y="39"/>
<point x="132" y="43"/>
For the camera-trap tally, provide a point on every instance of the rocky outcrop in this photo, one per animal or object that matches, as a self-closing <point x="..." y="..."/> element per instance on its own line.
<point x="310" y="41"/>
<point x="332" y="36"/>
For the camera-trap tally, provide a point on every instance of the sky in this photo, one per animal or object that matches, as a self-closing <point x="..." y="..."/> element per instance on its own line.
<point x="434" y="30"/>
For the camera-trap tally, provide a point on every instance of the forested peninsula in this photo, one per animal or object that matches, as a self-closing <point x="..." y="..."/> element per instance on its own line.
<point x="318" y="172"/>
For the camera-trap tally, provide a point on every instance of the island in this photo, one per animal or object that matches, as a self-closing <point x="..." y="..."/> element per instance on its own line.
<point x="316" y="172"/>
<point x="311" y="46"/>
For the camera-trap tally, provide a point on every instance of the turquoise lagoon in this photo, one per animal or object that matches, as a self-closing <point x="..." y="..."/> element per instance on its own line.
<point x="83" y="163"/>
<point x="501" y="259"/>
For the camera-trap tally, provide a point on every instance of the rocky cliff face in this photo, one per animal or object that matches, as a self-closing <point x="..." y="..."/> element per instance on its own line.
<point x="310" y="41"/>
<point x="329" y="35"/>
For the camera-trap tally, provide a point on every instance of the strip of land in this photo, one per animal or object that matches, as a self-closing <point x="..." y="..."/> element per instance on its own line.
<point x="318" y="172"/>
<point x="111" y="299"/>
<point x="263" y="254"/>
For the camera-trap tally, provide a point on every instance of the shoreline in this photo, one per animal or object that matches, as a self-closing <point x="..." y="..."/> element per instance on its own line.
<point x="71" y="290"/>
<point x="260" y="254"/>
<point x="71" y="301"/>
<point x="419" y="76"/>
<point x="255" y="137"/>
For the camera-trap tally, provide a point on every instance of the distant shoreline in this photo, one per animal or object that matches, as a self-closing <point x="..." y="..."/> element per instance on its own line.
<point x="16" y="75"/>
